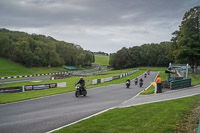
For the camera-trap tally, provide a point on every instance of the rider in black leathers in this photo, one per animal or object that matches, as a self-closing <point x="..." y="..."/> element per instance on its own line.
<point x="128" y="80"/>
<point x="82" y="83"/>
<point x="141" y="82"/>
<point x="136" y="81"/>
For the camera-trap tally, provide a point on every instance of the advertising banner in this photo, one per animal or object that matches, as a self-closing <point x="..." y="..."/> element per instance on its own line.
<point x="94" y="81"/>
<point x="61" y="84"/>
<point x="10" y="90"/>
<point x="39" y="87"/>
<point x="102" y="80"/>
<point x="28" y="88"/>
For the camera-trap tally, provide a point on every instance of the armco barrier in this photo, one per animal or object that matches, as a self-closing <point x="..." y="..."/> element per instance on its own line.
<point x="183" y="83"/>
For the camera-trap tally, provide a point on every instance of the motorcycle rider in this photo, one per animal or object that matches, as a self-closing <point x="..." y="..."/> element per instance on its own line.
<point x="145" y="75"/>
<point x="148" y="72"/>
<point x="141" y="82"/>
<point x="128" y="80"/>
<point x="136" y="81"/>
<point x="128" y="83"/>
<point x="82" y="83"/>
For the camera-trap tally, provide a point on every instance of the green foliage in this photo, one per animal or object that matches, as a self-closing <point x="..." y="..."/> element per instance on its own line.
<point x="102" y="60"/>
<point x="39" y="50"/>
<point x="145" y="55"/>
<point x="186" y="41"/>
<point x="159" y="117"/>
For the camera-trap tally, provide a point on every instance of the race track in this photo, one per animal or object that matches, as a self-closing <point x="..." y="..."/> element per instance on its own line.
<point x="48" y="113"/>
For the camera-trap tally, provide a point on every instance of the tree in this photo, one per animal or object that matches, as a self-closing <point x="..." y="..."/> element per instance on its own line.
<point x="187" y="39"/>
<point x="120" y="59"/>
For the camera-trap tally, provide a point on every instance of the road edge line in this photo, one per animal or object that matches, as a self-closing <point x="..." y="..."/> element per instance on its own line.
<point x="90" y="116"/>
<point x="168" y="99"/>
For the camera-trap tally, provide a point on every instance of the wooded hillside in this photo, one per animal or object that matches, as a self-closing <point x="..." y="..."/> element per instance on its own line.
<point x="39" y="50"/>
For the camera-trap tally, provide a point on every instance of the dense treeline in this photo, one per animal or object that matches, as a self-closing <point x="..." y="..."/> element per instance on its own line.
<point x="101" y="53"/>
<point x="145" y="55"/>
<point x="183" y="48"/>
<point x="39" y="50"/>
<point x="186" y="40"/>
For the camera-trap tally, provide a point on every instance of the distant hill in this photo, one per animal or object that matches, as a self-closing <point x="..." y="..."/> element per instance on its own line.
<point x="102" y="60"/>
<point x="39" y="50"/>
<point x="10" y="68"/>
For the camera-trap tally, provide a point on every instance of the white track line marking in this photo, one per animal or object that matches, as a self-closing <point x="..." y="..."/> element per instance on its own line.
<point x="81" y="120"/>
<point x="160" y="100"/>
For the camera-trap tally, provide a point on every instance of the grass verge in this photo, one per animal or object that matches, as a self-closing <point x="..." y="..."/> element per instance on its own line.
<point x="159" y="117"/>
<point x="151" y="90"/>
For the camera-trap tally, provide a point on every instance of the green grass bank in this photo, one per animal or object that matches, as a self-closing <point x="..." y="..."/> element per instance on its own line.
<point x="102" y="60"/>
<point x="10" y="68"/>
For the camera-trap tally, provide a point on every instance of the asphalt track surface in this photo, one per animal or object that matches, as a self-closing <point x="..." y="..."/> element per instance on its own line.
<point x="48" y="113"/>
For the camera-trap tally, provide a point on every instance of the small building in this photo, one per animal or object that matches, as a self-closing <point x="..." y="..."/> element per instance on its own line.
<point x="70" y="67"/>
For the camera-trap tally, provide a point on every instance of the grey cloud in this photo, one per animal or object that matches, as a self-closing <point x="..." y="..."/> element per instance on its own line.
<point x="102" y="22"/>
<point x="102" y="12"/>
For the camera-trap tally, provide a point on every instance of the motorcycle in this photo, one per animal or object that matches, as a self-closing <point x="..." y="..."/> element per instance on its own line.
<point x="80" y="91"/>
<point x="136" y="82"/>
<point x="141" y="84"/>
<point x="145" y="75"/>
<point x="127" y="84"/>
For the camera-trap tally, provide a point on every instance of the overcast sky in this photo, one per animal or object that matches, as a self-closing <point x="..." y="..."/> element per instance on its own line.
<point x="97" y="25"/>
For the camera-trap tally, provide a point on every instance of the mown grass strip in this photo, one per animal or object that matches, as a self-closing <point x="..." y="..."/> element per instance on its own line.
<point x="159" y="117"/>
